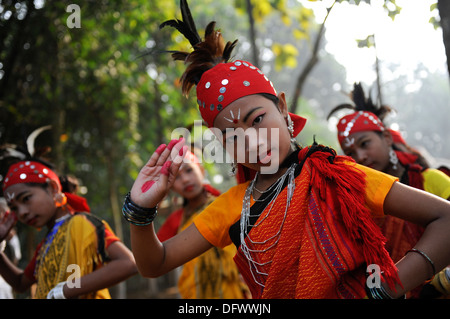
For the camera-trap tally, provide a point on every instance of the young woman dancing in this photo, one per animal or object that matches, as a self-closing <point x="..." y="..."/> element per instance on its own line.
<point x="304" y="230"/>
<point x="79" y="257"/>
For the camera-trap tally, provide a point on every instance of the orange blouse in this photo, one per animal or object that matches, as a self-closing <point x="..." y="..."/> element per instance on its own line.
<point x="214" y="222"/>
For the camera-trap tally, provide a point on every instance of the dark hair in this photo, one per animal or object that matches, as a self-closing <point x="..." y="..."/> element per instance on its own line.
<point x="361" y="103"/>
<point x="206" y="54"/>
<point x="271" y="97"/>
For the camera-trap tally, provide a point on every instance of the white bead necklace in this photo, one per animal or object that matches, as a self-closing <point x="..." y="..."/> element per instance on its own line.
<point x="245" y="237"/>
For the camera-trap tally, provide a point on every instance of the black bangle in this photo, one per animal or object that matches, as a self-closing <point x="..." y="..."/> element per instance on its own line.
<point x="415" y="250"/>
<point x="379" y="293"/>
<point x="137" y="215"/>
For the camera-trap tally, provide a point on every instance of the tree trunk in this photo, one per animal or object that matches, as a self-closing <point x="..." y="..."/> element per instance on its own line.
<point x="306" y="70"/>
<point x="309" y="65"/>
<point x="444" y="12"/>
<point x="251" y="20"/>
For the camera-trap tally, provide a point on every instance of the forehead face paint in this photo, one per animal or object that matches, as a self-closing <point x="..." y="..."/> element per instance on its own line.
<point x="233" y="119"/>
<point x="348" y="142"/>
<point x="10" y="196"/>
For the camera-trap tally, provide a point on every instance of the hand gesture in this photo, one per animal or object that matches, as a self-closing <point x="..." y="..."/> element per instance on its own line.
<point x="7" y="222"/>
<point x="158" y="175"/>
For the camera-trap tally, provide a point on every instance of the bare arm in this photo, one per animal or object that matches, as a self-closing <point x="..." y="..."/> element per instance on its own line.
<point x="120" y="267"/>
<point x="433" y="213"/>
<point x="13" y="275"/>
<point x="154" y="258"/>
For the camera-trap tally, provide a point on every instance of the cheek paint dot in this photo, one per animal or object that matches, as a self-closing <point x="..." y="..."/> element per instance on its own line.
<point x="147" y="186"/>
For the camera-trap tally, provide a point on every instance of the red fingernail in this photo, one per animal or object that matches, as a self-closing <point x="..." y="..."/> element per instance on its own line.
<point x="160" y="149"/>
<point x="165" y="168"/>
<point x="172" y="144"/>
<point x="181" y="152"/>
<point x="147" y="185"/>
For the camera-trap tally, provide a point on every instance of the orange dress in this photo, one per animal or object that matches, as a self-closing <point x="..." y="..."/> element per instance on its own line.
<point x="327" y="239"/>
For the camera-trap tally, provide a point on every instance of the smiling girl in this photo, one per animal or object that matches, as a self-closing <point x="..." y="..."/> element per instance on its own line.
<point x="303" y="231"/>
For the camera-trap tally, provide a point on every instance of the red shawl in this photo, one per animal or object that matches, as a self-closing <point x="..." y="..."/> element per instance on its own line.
<point x="327" y="239"/>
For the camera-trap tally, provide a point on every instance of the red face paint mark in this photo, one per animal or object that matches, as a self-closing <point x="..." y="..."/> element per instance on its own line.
<point x="147" y="185"/>
<point x="235" y="121"/>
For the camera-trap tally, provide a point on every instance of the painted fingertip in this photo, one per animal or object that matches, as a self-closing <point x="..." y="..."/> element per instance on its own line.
<point x="160" y="149"/>
<point x="165" y="168"/>
<point x="172" y="144"/>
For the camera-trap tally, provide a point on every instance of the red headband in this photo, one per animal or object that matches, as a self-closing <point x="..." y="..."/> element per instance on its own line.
<point x="357" y="122"/>
<point x="397" y="137"/>
<point x="227" y="82"/>
<point x="29" y="172"/>
<point x="191" y="158"/>
<point x="35" y="172"/>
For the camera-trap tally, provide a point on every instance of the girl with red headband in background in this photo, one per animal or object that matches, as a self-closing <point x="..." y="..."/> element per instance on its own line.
<point x="303" y="231"/>
<point x="212" y="275"/>
<point x="363" y="136"/>
<point x="79" y="257"/>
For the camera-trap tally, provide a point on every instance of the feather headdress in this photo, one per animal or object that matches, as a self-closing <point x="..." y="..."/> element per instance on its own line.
<point x="205" y="55"/>
<point x="29" y="151"/>
<point x="361" y="103"/>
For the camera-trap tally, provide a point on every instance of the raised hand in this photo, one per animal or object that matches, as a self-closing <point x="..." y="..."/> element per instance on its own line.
<point x="7" y="222"/>
<point x="158" y="175"/>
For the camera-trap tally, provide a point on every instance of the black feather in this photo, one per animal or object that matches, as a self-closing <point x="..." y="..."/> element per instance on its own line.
<point x="359" y="97"/>
<point x="186" y="26"/>
<point x="188" y="20"/>
<point x="228" y="49"/>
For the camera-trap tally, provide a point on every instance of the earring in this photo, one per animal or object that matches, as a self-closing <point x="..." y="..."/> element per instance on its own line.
<point x="60" y="200"/>
<point x="233" y="169"/>
<point x="393" y="158"/>
<point x="290" y="127"/>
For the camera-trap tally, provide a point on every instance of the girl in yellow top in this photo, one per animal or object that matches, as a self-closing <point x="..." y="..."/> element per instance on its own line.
<point x="212" y="275"/>
<point x="79" y="257"/>
<point x="304" y="230"/>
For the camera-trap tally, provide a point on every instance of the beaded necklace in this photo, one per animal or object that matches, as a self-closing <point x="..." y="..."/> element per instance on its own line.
<point x="49" y="239"/>
<point x="245" y="223"/>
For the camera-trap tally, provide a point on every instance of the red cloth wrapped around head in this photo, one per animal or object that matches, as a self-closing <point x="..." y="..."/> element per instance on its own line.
<point x="358" y="122"/>
<point x="29" y="172"/>
<point x="227" y="82"/>
<point x="35" y="172"/>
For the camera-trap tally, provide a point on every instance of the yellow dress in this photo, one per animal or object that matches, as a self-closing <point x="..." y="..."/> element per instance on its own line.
<point x="69" y="250"/>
